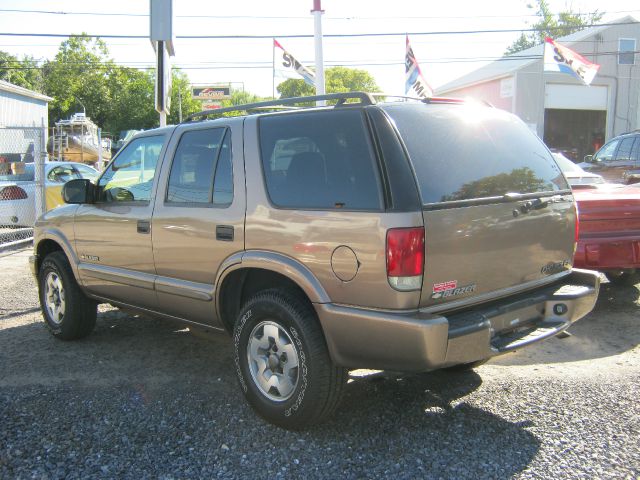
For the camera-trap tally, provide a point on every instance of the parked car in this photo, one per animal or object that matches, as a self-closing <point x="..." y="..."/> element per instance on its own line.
<point x="406" y="236"/>
<point x="575" y="175"/>
<point x="618" y="161"/>
<point x="609" y="232"/>
<point x="17" y="192"/>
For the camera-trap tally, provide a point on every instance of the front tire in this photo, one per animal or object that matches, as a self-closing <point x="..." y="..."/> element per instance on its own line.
<point x="282" y="361"/>
<point x="67" y="312"/>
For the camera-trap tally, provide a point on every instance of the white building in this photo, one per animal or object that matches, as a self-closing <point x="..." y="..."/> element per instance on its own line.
<point x="568" y="115"/>
<point x="23" y="120"/>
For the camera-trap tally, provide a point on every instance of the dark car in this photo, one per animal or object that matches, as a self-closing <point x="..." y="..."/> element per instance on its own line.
<point x="618" y="160"/>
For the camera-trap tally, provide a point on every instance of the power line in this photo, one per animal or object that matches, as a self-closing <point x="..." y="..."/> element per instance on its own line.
<point x="276" y="17"/>
<point x="341" y="35"/>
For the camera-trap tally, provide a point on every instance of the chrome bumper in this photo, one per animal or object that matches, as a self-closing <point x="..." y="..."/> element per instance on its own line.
<point x="418" y="341"/>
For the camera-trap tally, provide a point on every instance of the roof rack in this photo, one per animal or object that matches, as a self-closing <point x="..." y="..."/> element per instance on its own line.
<point x="365" y="99"/>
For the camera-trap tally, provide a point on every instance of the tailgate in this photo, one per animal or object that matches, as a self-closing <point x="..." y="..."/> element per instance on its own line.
<point x="485" y="249"/>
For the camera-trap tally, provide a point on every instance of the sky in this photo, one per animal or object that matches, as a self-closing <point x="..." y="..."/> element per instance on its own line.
<point x="247" y="63"/>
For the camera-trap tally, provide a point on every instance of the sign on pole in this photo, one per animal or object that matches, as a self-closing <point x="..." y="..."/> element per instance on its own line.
<point x="163" y="79"/>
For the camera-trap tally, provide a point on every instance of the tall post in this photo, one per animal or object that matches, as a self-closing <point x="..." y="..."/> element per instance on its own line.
<point x="39" y="154"/>
<point x="99" y="163"/>
<point x="317" y="14"/>
<point x="273" y="68"/>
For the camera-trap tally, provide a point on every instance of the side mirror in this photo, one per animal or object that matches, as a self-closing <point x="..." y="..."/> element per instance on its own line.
<point x="80" y="190"/>
<point x="588" y="158"/>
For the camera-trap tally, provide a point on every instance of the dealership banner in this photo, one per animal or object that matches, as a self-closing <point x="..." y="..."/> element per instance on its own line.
<point x="558" y="58"/>
<point x="287" y="64"/>
<point x="414" y="80"/>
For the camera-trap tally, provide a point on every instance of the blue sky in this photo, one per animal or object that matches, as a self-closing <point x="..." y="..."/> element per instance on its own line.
<point x="247" y="62"/>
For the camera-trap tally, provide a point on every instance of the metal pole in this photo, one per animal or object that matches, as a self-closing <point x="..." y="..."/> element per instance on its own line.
<point x="163" y="119"/>
<point x="273" y="68"/>
<point x="39" y="154"/>
<point x="100" y="165"/>
<point x="179" y="105"/>
<point x="317" y="13"/>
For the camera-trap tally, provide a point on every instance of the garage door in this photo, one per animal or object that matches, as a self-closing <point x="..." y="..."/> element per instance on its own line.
<point x="576" y="97"/>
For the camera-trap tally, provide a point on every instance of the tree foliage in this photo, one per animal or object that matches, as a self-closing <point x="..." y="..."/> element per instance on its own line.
<point x="518" y="180"/>
<point x="337" y="80"/>
<point x="22" y="72"/>
<point x="552" y="25"/>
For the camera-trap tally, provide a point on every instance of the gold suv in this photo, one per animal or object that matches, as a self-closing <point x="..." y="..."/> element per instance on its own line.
<point x="407" y="235"/>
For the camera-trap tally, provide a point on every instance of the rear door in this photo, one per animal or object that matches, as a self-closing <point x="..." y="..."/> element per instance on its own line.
<point x="198" y="220"/>
<point x="497" y="211"/>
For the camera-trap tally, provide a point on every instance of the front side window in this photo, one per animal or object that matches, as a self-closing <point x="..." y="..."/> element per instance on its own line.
<point x="199" y="155"/>
<point x="129" y="178"/>
<point x="319" y="160"/>
<point x="605" y="154"/>
<point x="626" y="51"/>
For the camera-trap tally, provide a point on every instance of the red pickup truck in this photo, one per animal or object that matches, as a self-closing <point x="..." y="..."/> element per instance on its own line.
<point x="609" y="232"/>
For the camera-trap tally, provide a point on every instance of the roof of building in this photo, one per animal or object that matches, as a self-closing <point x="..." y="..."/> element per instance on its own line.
<point x="25" y="92"/>
<point x="511" y="63"/>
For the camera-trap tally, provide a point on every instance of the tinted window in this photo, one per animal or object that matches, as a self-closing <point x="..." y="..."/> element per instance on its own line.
<point x="129" y="178"/>
<point x="469" y="152"/>
<point x="635" y="153"/>
<point x="319" y="160"/>
<point x="624" y="151"/>
<point x="191" y="177"/>
<point x="606" y="153"/>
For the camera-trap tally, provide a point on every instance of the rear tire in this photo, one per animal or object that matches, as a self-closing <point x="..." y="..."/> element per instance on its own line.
<point x="282" y="361"/>
<point x="627" y="278"/>
<point x="67" y="312"/>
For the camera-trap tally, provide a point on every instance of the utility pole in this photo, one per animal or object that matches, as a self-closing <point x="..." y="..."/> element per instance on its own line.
<point x="317" y="14"/>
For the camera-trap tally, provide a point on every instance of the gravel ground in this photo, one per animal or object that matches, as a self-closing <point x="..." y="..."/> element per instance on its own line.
<point x="143" y="398"/>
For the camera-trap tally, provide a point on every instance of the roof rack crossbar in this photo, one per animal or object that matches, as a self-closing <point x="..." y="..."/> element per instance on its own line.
<point x="365" y="99"/>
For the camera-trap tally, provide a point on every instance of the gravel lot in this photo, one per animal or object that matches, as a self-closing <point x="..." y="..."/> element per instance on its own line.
<point x="143" y="398"/>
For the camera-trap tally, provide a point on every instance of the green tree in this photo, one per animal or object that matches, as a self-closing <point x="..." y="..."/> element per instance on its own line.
<point x="551" y="25"/>
<point x="521" y="180"/>
<point x="180" y="97"/>
<point x="337" y="80"/>
<point x="23" y="72"/>
<point x="78" y="78"/>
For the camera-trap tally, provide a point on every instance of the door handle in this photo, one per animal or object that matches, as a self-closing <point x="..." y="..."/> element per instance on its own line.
<point x="224" y="233"/>
<point x="144" y="226"/>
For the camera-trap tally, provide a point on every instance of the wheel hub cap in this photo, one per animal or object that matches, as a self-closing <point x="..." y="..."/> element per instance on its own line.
<point x="273" y="361"/>
<point x="54" y="297"/>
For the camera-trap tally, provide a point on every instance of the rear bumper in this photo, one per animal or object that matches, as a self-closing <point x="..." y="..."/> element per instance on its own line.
<point x="418" y="341"/>
<point x="608" y="253"/>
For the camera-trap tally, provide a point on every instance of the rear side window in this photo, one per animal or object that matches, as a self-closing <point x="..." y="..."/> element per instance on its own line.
<point x="199" y="155"/>
<point x="473" y="152"/>
<point x="319" y="160"/>
<point x="624" y="151"/>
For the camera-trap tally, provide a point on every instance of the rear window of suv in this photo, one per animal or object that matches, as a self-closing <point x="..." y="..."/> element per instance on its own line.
<point x="473" y="152"/>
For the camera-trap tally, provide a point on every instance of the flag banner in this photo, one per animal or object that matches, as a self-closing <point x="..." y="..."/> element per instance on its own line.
<point x="288" y="65"/>
<point x="558" y="58"/>
<point x="414" y="80"/>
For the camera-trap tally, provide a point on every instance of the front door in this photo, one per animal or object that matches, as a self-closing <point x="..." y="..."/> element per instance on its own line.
<point x="198" y="220"/>
<point x="113" y="235"/>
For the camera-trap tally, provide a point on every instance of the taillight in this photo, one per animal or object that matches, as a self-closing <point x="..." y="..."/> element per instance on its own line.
<point x="12" y="193"/>
<point x="576" y="234"/>
<point x="405" y="258"/>
<point x="577" y="224"/>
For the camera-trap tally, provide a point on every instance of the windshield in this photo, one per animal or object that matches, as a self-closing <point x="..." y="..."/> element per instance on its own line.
<point x="465" y="152"/>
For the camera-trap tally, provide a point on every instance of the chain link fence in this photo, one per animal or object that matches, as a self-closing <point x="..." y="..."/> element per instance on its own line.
<point x="22" y="195"/>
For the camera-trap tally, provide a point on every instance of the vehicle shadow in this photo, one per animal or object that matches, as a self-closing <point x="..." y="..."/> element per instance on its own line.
<point x="453" y="437"/>
<point x="155" y="366"/>
<point x="612" y="328"/>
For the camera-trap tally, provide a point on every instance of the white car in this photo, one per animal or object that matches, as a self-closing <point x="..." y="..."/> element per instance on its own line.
<point x="17" y="192"/>
<point x="576" y="175"/>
